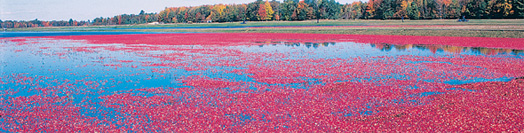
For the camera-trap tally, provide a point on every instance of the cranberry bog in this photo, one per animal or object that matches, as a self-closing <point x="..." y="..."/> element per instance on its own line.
<point x="246" y="82"/>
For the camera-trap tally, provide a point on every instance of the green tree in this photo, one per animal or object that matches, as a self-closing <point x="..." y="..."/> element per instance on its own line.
<point x="242" y="9"/>
<point x="36" y="22"/>
<point x="453" y="10"/>
<point x="476" y="9"/>
<point x="413" y="11"/>
<point x="519" y="8"/>
<point x="162" y="16"/>
<point x="179" y="15"/>
<point x="386" y="9"/>
<point x="333" y="10"/>
<point x="301" y="11"/>
<point x="71" y="22"/>
<point x="252" y="11"/>
<point x="346" y="11"/>
<point x="317" y="7"/>
<point x="275" y="5"/>
<point x="401" y="7"/>
<point x="287" y="8"/>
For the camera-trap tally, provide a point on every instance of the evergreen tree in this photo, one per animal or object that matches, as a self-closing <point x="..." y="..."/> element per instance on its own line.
<point x="287" y="9"/>
<point x="252" y="11"/>
<point x="385" y="10"/>
<point x="71" y="22"/>
<point x="413" y="11"/>
<point x="476" y="9"/>
<point x="333" y="9"/>
<point x="519" y="8"/>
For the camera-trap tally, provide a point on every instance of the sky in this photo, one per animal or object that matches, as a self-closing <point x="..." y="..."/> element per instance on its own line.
<point x="89" y="9"/>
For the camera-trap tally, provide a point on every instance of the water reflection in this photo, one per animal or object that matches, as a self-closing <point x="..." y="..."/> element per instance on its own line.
<point x="398" y="48"/>
<point x="306" y="44"/>
<point x="449" y="49"/>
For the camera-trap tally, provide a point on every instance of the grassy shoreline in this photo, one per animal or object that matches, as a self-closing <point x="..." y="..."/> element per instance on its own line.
<point x="503" y="28"/>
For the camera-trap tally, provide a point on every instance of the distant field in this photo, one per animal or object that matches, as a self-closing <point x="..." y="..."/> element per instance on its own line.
<point x="513" y="28"/>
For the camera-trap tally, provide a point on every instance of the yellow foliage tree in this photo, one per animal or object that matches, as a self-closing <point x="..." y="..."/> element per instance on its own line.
<point x="508" y="8"/>
<point x="404" y="6"/>
<point x="269" y="10"/>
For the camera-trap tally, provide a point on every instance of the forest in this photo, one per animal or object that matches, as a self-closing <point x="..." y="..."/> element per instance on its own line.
<point x="295" y="10"/>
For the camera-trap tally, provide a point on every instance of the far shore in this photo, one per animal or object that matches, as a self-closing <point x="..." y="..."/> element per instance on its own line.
<point x="502" y="28"/>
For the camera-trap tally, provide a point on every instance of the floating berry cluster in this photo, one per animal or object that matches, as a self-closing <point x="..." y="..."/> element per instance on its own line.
<point x="237" y="82"/>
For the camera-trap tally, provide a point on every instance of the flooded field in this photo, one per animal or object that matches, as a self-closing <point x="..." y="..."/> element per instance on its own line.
<point x="260" y="82"/>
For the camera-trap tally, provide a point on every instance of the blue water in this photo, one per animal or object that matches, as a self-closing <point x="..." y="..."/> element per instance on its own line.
<point x="79" y="68"/>
<point x="41" y="34"/>
<point x="31" y="62"/>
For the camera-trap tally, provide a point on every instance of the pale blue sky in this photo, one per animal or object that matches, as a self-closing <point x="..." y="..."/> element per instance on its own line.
<point x="90" y="9"/>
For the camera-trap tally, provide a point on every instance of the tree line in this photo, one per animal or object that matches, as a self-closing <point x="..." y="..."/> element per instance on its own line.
<point x="288" y="10"/>
<point x="124" y="19"/>
<point x="38" y="23"/>
<point x="298" y="10"/>
<point x="295" y="10"/>
<point x="435" y="9"/>
<point x="141" y="18"/>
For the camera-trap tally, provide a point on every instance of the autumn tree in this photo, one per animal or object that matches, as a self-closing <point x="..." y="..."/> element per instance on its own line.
<point x="242" y="12"/>
<point x="442" y="6"/>
<point x="495" y="8"/>
<point x="453" y="10"/>
<point x="401" y="10"/>
<point x="359" y="10"/>
<point x="346" y="11"/>
<point x="262" y="13"/>
<point x="370" y="9"/>
<point x="166" y="15"/>
<point x="275" y="6"/>
<point x="507" y="6"/>
<point x="269" y="10"/>
<point x="218" y="13"/>
<point x="301" y="11"/>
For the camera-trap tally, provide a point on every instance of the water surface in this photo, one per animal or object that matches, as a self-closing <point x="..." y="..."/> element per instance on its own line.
<point x="79" y="71"/>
